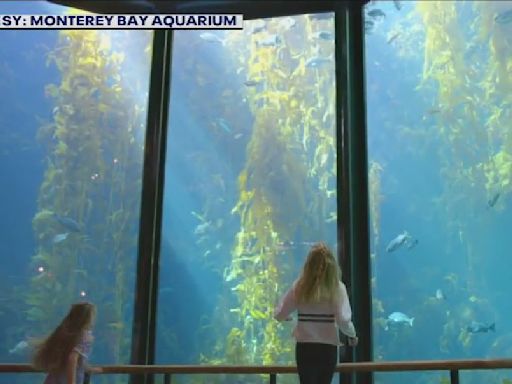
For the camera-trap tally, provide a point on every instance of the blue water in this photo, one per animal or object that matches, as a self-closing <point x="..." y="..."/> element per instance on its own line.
<point x="62" y="156"/>
<point x="463" y="242"/>
<point x="431" y="186"/>
<point x="21" y="167"/>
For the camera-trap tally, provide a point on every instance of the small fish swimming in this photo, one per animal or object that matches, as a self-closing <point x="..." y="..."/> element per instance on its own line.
<point x="493" y="200"/>
<point x="476" y="327"/>
<point x="19" y="348"/>
<point x="65" y="109"/>
<point x="368" y="25"/>
<point x="321" y="16"/>
<point x="433" y="111"/>
<point x="504" y="17"/>
<point x="116" y="324"/>
<point x="60" y="237"/>
<point x="269" y="41"/>
<point x="398" y="241"/>
<point x="393" y="37"/>
<point x="198" y="216"/>
<point x="440" y="295"/>
<point x="323" y="35"/>
<point x="67" y="222"/>
<point x="252" y="83"/>
<point x="375" y="13"/>
<point x="224" y="125"/>
<point x="399" y="318"/>
<point x="287" y="245"/>
<point x="202" y="228"/>
<point x="212" y="38"/>
<point x="398" y="4"/>
<point x="316" y="61"/>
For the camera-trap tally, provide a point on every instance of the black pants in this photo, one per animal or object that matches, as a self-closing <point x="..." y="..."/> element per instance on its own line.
<point x="315" y="362"/>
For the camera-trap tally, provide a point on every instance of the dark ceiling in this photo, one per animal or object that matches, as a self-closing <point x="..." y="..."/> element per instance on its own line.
<point x="251" y="9"/>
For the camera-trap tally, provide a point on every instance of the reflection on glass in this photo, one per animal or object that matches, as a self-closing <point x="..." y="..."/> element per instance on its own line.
<point x="72" y="123"/>
<point x="440" y="166"/>
<point x="250" y="184"/>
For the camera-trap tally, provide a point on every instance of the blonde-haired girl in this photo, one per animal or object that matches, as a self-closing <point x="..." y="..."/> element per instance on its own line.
<point x="323" y="306"/>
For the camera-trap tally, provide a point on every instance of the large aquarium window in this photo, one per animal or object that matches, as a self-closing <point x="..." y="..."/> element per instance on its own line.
<point x="72" y="126"/>
<point x="250" y="185"/>
<point x="439" y="82"/>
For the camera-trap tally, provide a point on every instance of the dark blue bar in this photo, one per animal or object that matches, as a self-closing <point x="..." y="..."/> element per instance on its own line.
<point x="146" y="290"/>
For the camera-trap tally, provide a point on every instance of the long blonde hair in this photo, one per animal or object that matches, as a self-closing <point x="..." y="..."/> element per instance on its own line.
<point x="52" y="353"/>
<point x="320" y="276"/>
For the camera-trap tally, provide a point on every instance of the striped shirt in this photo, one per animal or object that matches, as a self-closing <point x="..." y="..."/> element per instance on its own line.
<point x="318" y="322"/>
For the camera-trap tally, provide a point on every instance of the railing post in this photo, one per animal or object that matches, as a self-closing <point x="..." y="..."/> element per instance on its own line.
<point x="87" y="378"/>
<point x="167" y="378"/>
<point x="273" y="378"/>
<point x="454" y="376"/>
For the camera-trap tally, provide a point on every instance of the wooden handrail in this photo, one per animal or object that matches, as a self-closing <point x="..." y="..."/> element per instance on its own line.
<point x="387" y="366"/>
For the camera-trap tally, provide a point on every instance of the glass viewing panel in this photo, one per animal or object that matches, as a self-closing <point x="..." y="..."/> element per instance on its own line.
<point x="250" y="185"/>
<point x="439" y="82"/>
<point x="72" y="128"/>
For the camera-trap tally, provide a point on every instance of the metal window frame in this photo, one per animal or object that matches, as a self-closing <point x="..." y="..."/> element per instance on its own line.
<point x="352" y="181"/>
<point x="151" y="210"/>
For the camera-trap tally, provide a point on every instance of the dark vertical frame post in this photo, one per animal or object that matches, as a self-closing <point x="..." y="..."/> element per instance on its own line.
<point x="352" y="166"/>
<point x="342" y="170"/>
<point x="146" y="289"/>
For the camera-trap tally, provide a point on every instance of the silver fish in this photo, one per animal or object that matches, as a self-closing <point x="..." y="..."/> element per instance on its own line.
<point x="60" y="237"/>
<point x="19" y="348"/>
<point x="224" y="125"/>
<point x="67" y="222"/>
<point x="492" y="201"/>
<point x="476" y="327"/>
<point x="398" y="318"/>
<point x="393" y="37"/>
<point x="315" y="62"/>
<point x="368" y="25"/>
<point x="202" y="228"/>
<point x="252" y="83"/>
<point x="375" y="13"/>
<point x="398" y="241"/>
<point x="269" y="41"/>
<point x="440" y="295"/>
<point x="323" y="35"/>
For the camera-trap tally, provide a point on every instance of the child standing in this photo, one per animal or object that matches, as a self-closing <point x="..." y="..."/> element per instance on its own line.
<point x="64" y="353"/>
<point x="323" y="307"/>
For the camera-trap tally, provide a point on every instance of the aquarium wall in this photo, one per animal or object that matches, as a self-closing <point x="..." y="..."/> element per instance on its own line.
<point x="439" y="80"/>
<point x="250" y="185"/>
<point x="72" y="125"/>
